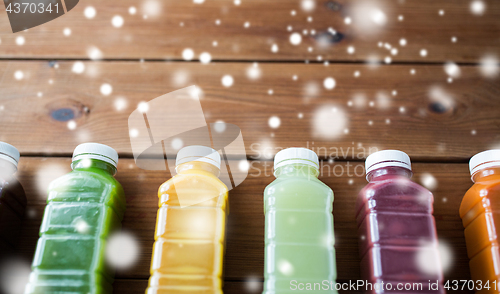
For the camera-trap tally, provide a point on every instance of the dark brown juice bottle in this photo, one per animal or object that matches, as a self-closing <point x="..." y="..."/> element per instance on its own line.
<point x="12" y="200"/>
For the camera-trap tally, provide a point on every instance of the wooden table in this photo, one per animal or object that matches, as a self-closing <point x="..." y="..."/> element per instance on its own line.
<point x="393" y="97"/>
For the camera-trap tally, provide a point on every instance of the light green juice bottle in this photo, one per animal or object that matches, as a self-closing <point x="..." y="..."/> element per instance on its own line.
<point x="299" y="239"/>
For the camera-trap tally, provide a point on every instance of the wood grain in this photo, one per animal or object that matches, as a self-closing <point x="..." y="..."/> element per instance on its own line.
<point x="428" y="118"/>
<point x="171" y="26"/>
<point x="245" y="230"/>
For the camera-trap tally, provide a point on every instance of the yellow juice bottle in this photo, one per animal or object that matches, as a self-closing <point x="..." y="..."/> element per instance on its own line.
<point x="190" y="227"/>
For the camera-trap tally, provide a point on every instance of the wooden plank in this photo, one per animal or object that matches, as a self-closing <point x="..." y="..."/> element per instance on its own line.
<point x="428" y="118"/>
<point x="245" y="230"/>
<point x="184" y="24"/>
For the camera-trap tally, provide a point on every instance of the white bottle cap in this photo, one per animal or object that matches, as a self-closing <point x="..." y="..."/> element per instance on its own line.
<point x="296" y="155"/>
<point x="9" y="153"/>
<point x="484" y="160"/>
<point x="198" y="153"/>
<point x="387" y="158"/>
<point x="96" y="151"/>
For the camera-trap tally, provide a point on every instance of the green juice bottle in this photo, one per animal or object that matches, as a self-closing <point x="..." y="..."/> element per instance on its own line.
<point x="83" y="208"/>
<point x="299" y="239"/>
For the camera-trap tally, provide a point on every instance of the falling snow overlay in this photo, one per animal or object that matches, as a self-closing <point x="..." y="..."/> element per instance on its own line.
<point x="341" y="78"/>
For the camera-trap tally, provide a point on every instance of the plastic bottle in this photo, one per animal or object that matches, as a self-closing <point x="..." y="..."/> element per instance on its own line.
<point x="299" y="238"/>
<point x="481" y="219"/>
<point x="12" y="200"/>
<point x="83" y="208"/>
<point x="190" y="228"/>
<point x="397" y="232"/>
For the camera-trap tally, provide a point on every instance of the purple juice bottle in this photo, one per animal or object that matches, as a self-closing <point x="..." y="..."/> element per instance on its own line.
<point x="397" y="234"/>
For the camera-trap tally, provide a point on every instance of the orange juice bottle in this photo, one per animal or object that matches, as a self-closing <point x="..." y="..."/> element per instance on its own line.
<point x="480" y="213"/>
<point x="189" y="238"/>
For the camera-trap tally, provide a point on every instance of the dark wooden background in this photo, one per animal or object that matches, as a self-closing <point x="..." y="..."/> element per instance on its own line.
<point x="143" y="59"/>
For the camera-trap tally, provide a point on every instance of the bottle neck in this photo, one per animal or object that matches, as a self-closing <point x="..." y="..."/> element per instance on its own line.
<point x="296" y="170"/>
<point x="92" y="164"/>
<point x="484" y="174"/>
<point x="388" y="171"/>
<point x="7" y="169"/>
<point x="193" y="166"/>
